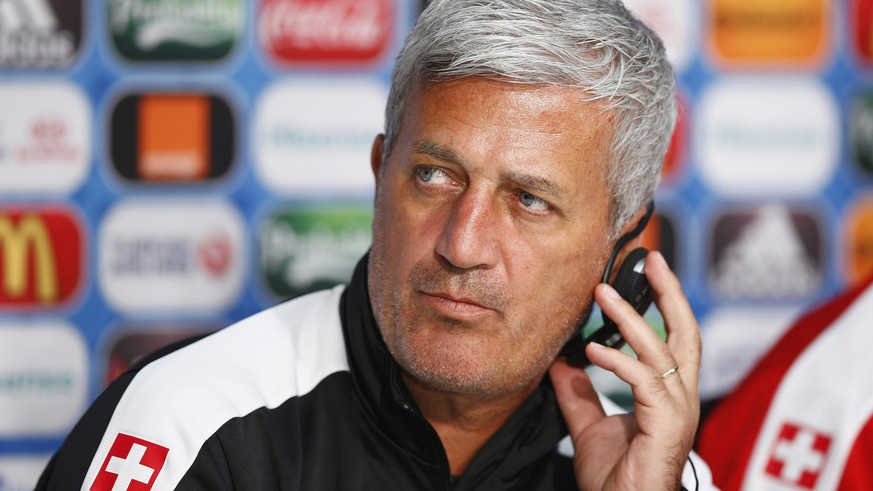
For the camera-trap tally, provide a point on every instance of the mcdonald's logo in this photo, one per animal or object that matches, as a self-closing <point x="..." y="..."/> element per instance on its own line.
<point x="41" y="256"/>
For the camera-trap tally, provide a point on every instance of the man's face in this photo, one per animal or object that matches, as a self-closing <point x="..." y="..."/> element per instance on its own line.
<point x="490" y="231"/>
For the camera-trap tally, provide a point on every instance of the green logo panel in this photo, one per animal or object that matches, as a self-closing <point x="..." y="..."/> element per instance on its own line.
<point x="311" y="248"/>
<point x="861" y="132"/>
<point x="175" y="30"/>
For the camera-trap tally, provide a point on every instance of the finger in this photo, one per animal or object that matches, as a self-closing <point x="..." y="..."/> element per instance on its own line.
<point x="648" y="346"/>
<point x="683" y="333"/>
<point x="649" y="388"/>
<point x="576" y="396"/>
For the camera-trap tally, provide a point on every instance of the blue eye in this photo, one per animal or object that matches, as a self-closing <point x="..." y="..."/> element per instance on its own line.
<point x="533" y="202"/>
<point x="426" y="173"/>
<point x="528" y="199"/>
<point x="432" y="175"/>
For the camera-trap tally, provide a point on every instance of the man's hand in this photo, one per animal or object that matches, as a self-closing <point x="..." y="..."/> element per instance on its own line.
<point x="645" y="449"/>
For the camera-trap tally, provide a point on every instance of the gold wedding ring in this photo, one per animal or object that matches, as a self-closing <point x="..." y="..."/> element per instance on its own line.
<point x="669" y="372"/>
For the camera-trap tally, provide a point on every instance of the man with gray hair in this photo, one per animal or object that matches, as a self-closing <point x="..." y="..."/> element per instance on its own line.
<point x="522" y="148"/>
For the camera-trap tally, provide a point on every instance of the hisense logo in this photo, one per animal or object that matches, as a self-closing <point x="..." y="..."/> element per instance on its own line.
<point x="41" y="395"/>
<point x="768" y="135"/>
<point x="34" y="381"/>
<point x="311" y="138"/>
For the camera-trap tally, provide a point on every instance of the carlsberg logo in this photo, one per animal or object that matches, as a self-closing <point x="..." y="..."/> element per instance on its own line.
<point x="149" y="24"/>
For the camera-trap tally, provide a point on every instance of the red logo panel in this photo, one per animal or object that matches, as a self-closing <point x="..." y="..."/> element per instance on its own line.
<point x="132" y="464"/>
<point x="862" y="18"/>
<point x="41" y="257"/>
<point x="326" y="31"/>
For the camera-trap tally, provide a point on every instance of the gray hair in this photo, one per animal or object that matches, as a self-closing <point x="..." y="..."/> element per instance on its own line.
<point x="594" y="45"/>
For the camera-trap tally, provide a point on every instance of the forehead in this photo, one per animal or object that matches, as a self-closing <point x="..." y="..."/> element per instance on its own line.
<point x="516" y="127"/>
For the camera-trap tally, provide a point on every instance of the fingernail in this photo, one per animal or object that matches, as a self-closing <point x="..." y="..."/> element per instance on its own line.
<point x="660" y="258"/>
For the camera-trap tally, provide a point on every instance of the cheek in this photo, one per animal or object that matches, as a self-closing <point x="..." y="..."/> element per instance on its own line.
<point x="557" y="280"/>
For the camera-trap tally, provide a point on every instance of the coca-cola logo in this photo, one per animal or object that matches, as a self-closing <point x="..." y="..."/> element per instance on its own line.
<point x="326" y="31"/>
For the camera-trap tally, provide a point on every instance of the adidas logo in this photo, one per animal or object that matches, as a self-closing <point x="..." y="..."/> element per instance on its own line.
<point x="39" y="33"/>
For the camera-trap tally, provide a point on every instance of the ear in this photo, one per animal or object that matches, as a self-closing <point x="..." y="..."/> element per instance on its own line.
<point x="633" y="243"/>
<point x="376" y="154"/>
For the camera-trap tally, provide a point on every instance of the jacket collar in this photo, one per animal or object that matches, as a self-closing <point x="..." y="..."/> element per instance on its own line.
<point x="530" y="436"/>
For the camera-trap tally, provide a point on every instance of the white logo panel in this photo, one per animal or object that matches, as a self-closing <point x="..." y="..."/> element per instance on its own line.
<point x="734" y="339"/>
<point x="45" y="138"/>
<point x="760" y="137"/>
<point x="19" y="473"/>
<point x="43" y="379"/>
<point x="312" y="138"/>
<point x="172" y="256"/>
<point x="672" y="22"/>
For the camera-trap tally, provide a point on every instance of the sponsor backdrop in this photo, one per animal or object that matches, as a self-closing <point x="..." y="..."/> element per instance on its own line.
<point x="170" y="166"/>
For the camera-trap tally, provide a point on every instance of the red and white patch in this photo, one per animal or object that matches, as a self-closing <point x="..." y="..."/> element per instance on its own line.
<point x="132" y="464"/>
<point x="798" y="456"/>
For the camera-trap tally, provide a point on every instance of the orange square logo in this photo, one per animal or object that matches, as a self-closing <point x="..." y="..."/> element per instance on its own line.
<point x="173" y="137"/>
<point x="859" y="241"/>
<point x="772" y="32"/>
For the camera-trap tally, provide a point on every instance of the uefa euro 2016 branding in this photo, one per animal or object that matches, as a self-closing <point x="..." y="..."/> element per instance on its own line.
<point x="310" y="248"/>
<point x="171" y="256"/>
<point x="39" y="33"/>
<point x="771" y="33"/>
<point x="770" y="253"/>
<point x="315" y="137"/>
<point x="175" y="30"/>
<point x="43" y="395"/>
<point x="42" y="264"/>
<point x="45" y="138"/>
<point x="326" y="31"/>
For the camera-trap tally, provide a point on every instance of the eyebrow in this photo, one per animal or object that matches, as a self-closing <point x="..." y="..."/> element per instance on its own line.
<point x="532" y="183"/>
<point x="436" y="151"/>
<point x="535" y="184"/>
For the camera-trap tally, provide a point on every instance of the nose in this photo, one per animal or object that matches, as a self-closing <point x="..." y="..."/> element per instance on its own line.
<point x="469" y="239"/>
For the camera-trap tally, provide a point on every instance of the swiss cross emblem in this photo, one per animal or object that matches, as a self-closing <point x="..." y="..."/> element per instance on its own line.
<point x="799" y="456"/>
<point x="132" y="464"/>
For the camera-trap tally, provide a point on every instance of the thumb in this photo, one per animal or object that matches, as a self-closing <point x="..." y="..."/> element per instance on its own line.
<point x="577" y="398"/>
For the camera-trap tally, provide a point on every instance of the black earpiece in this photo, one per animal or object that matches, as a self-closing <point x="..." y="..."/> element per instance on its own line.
<point x="630" y="282"/>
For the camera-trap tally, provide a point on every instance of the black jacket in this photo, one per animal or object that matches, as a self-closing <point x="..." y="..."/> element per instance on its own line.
<point x="301" y="396"/>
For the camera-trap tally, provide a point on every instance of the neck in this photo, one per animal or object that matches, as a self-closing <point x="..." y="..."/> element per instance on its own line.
<point x="464" y="422"/>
